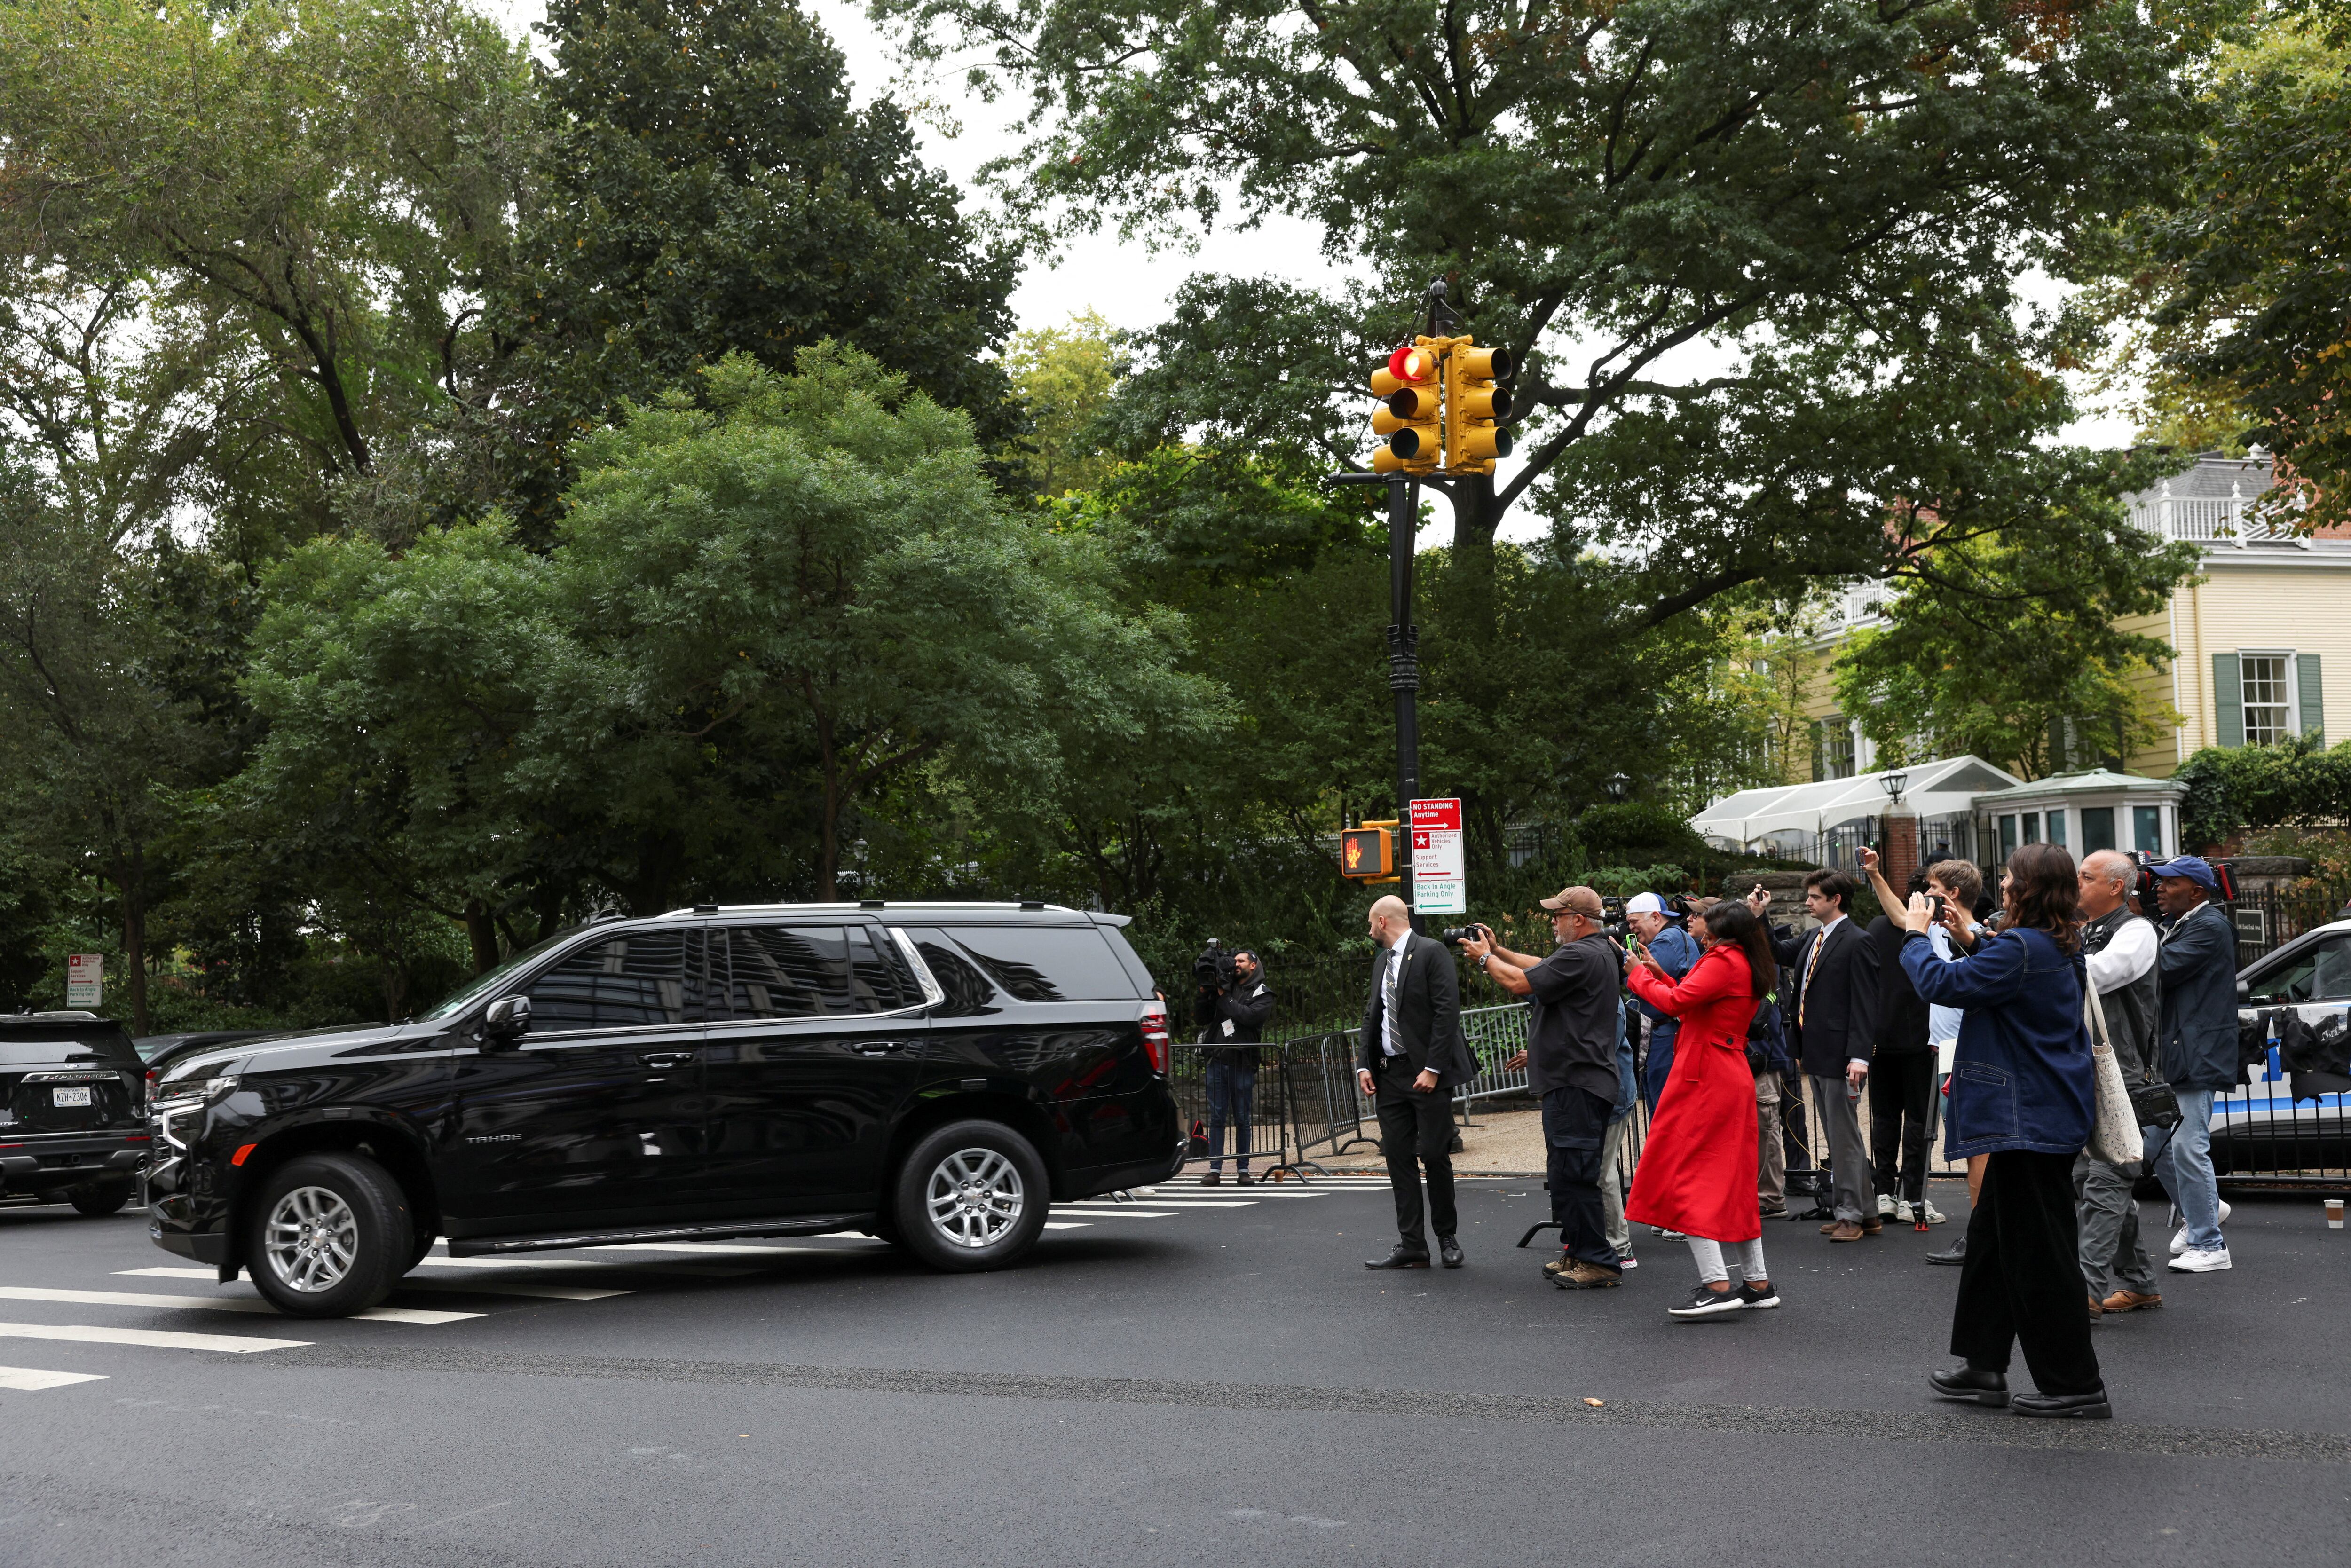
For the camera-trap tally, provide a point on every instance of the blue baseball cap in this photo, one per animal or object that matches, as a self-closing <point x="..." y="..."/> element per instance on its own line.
<point x="2195" y="868"/>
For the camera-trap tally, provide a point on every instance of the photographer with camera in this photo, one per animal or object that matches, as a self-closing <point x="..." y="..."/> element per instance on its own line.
<point x="1571" y="1061"/>
<point x="1234" y="1006"/>
<point x="1662" y="934"/>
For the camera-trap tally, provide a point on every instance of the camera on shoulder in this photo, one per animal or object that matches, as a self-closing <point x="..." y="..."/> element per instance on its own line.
<point x="1213" y="969"/>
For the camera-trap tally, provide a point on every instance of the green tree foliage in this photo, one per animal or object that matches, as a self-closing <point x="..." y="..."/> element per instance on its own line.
<point x="708" y="189"/>
<point x="2001" y="639"/>
<point x="767" y="609"/>
<point x="2296" y="783"/>
<point x="2232" y="298"/>
<point x="318" y="193"/>
<point x="1063" y="377"/>
<point x="1835" y="198"/>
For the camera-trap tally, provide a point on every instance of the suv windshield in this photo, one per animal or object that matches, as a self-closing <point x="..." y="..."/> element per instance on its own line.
<point x="483" y="984"/>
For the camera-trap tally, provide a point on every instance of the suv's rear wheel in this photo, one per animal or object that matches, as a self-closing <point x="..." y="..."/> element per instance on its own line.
<point x="971" y="1196"/>
<point x="98" y="1201"/>
<point x="328" y="1236"/>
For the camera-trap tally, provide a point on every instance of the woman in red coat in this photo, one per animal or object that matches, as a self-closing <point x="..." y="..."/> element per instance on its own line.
<point x="1696" y="1172"/>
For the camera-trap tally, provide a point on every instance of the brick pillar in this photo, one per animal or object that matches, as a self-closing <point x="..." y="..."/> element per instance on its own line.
<point x="1900" y="827"/>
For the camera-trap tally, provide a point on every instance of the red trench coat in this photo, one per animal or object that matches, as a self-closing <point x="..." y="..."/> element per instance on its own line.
<point x="1697" y="1171"/>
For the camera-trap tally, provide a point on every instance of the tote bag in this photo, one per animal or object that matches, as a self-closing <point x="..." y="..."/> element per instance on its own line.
<point x="2114" y="1130"/>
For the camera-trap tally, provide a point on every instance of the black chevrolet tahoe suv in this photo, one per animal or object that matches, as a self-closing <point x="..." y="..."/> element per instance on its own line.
<point x="931" y="1074"/>
<point x="73" y="1115"/>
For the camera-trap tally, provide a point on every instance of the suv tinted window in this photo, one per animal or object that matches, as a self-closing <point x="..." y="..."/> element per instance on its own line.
<point x="631" y="981"/>
<point x="803" y="971"/>
<point x="1046" y="963"/>
<point x="2320" y="973"/>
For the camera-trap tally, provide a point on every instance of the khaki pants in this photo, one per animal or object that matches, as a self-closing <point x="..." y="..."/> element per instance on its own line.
<point x="1770" y="1158"/>
<point x="1612" y="1187"/>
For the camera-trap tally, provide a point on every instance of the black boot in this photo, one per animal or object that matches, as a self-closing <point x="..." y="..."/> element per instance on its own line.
<point x="2090" y="1407"/>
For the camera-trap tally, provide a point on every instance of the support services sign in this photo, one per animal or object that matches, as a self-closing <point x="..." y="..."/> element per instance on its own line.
<point x="1437" y="883"/>
<point x="84" y="979"/>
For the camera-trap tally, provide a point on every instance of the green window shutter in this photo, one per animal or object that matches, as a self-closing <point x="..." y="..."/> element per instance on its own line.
<point x="2227" y="700"/>
<point x="2314" y="698"/>
<point x="1819" y="751"/>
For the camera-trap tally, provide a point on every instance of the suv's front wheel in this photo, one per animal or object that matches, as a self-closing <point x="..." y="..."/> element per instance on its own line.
<point x="971" y="1196"/>
<point x="328" y="1236"/>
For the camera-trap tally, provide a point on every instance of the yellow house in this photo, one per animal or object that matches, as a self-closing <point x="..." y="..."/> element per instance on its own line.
<point x="2256" y="637"/>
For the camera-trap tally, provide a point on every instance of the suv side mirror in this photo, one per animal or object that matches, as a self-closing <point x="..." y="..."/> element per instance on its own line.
<point x="507" y="1021"/>
<point x="2244" y="990"/>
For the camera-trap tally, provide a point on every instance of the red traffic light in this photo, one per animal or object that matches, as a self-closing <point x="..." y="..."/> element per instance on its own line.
<point x="1412" y="363"/>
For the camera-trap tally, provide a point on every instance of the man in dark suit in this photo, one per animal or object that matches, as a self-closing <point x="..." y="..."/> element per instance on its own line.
<point x="1831" y="1020"/>
<point x="1413" y="1057"/>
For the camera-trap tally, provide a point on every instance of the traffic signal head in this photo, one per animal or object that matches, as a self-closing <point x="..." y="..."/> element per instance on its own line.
<point x="1366" y="853"/>
<point x="1473" y="439"/>
<point x="1410" y="417"/>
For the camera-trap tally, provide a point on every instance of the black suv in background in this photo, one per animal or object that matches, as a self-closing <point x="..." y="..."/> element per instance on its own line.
<point x="73" y="1118"/>
<point x="932" y="1074"/>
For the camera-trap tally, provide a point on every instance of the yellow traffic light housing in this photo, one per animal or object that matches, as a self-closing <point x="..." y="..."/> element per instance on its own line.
<point x="1473" y="405"/>
<point x="1367" y="853"/>
<point x="1411" y="415"/>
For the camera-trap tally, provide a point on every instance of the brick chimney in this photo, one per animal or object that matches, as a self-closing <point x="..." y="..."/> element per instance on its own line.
<point x="1899" y="826"/>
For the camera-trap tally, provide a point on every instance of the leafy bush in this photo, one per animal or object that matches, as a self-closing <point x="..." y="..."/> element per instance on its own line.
<point x="2295" y="783"/>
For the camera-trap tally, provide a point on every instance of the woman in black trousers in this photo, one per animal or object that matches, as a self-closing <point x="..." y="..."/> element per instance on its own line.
<point x="2022" y="1093"/>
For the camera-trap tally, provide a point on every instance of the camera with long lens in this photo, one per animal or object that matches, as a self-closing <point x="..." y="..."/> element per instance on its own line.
<point x="1612" y="918"/>
<point x="1213" y="969"/>
<point x="1454" y="936"/>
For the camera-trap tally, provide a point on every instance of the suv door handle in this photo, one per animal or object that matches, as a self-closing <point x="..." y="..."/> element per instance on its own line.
<point x="665" y="1057"/>
<point x="878" y="1047"/>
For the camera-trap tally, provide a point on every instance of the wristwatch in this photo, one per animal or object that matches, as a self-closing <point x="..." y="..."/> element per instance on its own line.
<point x="1484" y="959"/>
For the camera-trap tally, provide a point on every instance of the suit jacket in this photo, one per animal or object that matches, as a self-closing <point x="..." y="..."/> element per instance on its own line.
<point x="2196" y="1035"/>
<point x="1429" y="1014"/>
<point x="1840" y="1007"/>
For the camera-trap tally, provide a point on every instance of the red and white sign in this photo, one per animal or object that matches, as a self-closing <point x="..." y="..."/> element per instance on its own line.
<point x="1438" y="886"/>
<point x="84" y="979"/>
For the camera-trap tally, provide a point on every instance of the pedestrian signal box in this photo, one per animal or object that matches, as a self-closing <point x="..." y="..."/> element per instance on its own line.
<point x="1367" y="854"/>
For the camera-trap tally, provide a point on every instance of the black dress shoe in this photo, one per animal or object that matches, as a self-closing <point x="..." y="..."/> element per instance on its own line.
<point x="1972" y="1383"/>
<point x="1955" y="1254"/>
<point x="2090" y="1407"/>
<point x="1402" y="1257"/>
<point x="1449" y="1251"/>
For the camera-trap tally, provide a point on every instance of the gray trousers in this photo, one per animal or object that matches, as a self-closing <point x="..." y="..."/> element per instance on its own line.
<point x="1856" y="1192"/>
<point x="1612" y="1186"/>
<point x="2113" y="1256"/>
<point x="1770" y="1158"/>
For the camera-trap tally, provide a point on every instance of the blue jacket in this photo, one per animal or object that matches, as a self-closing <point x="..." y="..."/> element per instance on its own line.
<point x="1627" y="1089"/>
<point x="2196" y="1031"/>
<point x="2021" y="1075"/>
<point x="1678" y="954"/>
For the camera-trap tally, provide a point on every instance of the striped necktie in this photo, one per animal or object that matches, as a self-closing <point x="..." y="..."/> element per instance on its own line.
<point x="1810" y="963"/>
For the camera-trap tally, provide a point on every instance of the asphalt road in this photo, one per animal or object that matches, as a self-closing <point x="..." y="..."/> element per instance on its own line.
<point x="1157" y="1384"/>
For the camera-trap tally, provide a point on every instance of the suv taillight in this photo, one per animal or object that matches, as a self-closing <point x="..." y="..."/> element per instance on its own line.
<point x="1155" y="1038"/>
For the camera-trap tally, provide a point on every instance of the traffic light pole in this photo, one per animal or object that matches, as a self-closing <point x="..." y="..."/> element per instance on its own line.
<point x="1404" y="667"/>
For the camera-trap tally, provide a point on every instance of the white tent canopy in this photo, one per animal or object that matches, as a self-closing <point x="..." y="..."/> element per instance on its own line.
<point x="1947" y="787"/>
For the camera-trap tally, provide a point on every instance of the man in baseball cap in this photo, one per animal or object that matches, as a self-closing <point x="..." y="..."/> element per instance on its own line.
<point x="1664" y="932"/>
<point x="2196" y="1045"/>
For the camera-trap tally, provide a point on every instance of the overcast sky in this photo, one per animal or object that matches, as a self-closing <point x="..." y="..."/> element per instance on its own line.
<point x="1127" y="282"/>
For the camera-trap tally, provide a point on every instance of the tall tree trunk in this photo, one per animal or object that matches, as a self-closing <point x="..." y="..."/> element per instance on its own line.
<point x="828" y="847"/>
<point x="131" y="879"/>
<point x="481" y="931"/>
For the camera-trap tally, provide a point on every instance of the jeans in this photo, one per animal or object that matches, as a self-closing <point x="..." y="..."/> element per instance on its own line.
<point x="1232" y="1091"/>
<point x="2184" y="1167"/>
<point x="1612" y="1186"/>
<point x="1660" y="1064"/>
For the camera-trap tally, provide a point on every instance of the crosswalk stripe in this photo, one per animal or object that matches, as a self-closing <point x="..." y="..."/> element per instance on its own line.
<point x="26" y="1379"/>
<point x="453" y="1287"/>
<point x="1065" y="1225"/>
<point x="160" y="1339"/>
<point x="1165" y="1202"/>
<point x="214" y="1305"/>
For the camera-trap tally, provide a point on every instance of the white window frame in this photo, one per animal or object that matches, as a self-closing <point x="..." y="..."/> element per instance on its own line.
<point x="2292" y="680"/>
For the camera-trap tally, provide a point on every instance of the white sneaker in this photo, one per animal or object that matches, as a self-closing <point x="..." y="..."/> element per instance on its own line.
<point x="1899" y="1213"/>
<point x="2210" y="1260"/>
<point x="1934" y="1216"/>
<point x="1886" y="1206"/>
<point x="2179" y="1237"/>
<point x="1627" y="1261"/>
<point x="1669" y="1235"/>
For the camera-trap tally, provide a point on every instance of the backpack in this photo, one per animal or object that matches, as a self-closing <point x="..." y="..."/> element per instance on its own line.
<point x="1767" y="1040"/>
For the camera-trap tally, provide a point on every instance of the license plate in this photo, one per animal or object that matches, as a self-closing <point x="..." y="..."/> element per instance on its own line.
<point x="64" y="1097"/>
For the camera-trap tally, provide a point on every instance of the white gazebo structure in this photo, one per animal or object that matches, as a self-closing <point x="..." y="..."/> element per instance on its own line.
<point x="1826" y="821"/>
<point x="2084" y="811"/>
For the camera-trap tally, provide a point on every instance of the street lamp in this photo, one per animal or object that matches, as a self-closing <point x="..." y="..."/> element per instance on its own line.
<point x="1893" y="783"/>
<point x="1618" y="787"/>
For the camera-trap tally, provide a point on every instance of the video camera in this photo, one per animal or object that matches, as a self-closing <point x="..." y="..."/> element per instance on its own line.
<point x="1612" y="918"/>
<point x="1213" y="969"/>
